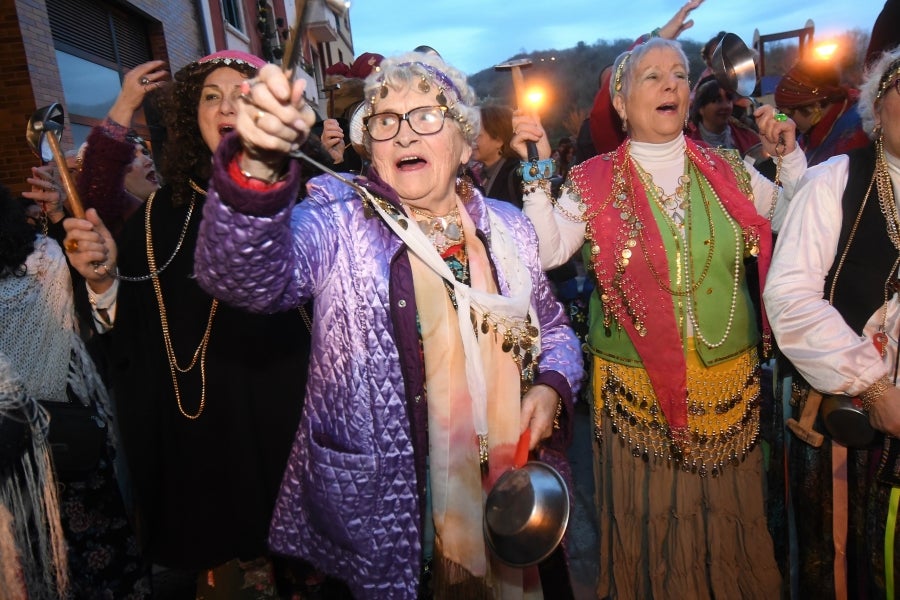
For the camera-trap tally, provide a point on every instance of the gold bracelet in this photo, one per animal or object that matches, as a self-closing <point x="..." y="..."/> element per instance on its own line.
<point x="559" y="407"/>
<point x="874" y="392"/>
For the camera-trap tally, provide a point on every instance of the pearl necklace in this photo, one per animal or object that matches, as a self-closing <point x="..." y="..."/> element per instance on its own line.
<point x="736" y="285"/>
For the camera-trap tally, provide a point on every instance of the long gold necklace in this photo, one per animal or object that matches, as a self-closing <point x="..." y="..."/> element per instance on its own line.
<point x="683" y="258"/>
<point x="736" y="284"/>
<point x="200" y="352"/>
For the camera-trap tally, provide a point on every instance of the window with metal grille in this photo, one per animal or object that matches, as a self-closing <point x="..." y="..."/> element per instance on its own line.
<point x="96" y="43"/>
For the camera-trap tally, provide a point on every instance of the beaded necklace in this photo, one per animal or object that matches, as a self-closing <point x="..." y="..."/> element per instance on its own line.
<point x="881" y="180"/>
<point x="686" y="283"/>
<point x="736" y="282"/>
<point x="442" y="231"/>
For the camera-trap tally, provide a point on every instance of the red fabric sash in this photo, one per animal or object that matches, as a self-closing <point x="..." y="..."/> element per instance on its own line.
<point x="633" y="297"/>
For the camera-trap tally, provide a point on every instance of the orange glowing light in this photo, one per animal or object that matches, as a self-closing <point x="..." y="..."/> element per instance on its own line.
<point x="825" y="51"/>
<point x="534" y="97"/>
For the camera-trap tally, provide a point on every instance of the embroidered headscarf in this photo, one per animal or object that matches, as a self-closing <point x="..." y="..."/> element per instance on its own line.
<point x="808" y="82"/>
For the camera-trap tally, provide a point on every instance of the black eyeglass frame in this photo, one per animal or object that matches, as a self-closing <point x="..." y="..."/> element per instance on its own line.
<point x="405" y="117"/>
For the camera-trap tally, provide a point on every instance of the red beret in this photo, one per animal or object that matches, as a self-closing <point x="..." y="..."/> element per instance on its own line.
<point x="364" y="64"/>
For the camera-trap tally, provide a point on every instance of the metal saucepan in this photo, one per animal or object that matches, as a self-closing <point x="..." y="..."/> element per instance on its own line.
<point x="734" y="65"/>
<point x="527" y="511"/>
<point x="846" y="421"/>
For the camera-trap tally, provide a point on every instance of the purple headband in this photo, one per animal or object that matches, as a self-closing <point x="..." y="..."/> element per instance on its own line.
<point x="438" y="76"/>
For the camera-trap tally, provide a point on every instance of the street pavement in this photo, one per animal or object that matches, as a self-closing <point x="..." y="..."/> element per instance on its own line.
<point x="582" y="519"/>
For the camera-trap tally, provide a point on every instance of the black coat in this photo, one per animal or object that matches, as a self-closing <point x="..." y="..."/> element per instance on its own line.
<point x="204" y="488"/>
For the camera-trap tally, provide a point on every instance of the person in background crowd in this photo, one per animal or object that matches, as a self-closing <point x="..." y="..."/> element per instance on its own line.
<point x="824" y="110"/>
<point x="832" y="300"/>
<point x="406" y="400"/>
<point x="665" y="224"/>
<point x="206" y="393"/>
<point x="712" y="122"/>
<point x="706" y="53"/>
<point x="344" y="93"/>
<point x="117" y="172"/>
<point x="499" y="163"/>
<point x="39" y="338"/>
<point x="564" y="155"/>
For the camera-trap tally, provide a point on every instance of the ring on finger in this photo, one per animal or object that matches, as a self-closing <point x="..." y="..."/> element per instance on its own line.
<point x="144" y="80"/>
<point x="72" y="246"/>
<point x="98" y="266"/>
<point x="259" y="115"/>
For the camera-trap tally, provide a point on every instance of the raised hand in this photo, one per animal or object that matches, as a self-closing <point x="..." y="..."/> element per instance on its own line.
<point x="273" y="120"/>
<point x="138" y="82"/>
<point x="679" y="22"/>
<point x="527" y="128"/>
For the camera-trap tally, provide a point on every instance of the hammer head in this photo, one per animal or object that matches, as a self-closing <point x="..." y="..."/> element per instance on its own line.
<point x="517" y="63"/>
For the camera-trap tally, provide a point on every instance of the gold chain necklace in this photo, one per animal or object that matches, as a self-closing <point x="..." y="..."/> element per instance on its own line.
<point x="881" y="180"/>
<point x="736" y="285"/>
<point x="886" y="194"/>
<point x="200" y="352"/>
<point x="682" y="257"/>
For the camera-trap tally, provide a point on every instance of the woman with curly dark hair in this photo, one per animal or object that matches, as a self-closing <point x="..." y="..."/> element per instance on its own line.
<point x="200" y="387"/>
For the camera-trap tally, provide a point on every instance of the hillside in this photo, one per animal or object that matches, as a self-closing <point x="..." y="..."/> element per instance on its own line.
<point x="569" y="77"/>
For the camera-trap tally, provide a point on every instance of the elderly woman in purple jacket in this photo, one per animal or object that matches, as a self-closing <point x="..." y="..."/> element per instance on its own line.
<point x="437" y="340"/>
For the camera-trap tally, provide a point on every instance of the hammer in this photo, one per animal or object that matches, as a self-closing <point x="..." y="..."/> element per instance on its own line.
<point x="803" y="429"/>
<point x="515" y="66"/>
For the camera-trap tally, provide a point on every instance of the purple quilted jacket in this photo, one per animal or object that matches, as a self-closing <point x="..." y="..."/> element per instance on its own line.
<point x="352" y="495"/>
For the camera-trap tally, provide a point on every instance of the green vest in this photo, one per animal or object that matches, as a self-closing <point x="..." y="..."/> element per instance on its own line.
<point x="712" y="299"/>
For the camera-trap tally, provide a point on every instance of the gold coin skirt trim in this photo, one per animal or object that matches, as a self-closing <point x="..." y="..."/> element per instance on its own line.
<point x="723" y="412"/>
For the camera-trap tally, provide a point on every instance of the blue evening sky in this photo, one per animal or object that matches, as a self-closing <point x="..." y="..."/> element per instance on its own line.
<point x="477" y="34"/>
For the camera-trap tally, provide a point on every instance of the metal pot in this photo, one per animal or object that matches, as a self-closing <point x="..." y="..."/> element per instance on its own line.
<point x="846" y="421"/>
<point x="734" y="65"/>
<point x="526" y="512"/>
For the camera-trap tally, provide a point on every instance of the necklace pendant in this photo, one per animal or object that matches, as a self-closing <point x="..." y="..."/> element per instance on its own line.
<point x="452" y="231"/>
<point x="880" y="341"/>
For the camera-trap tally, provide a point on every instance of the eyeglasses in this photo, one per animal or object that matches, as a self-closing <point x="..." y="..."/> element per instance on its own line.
<point x="425" y="120"/>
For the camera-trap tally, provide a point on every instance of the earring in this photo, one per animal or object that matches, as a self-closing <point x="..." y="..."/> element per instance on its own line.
<point x="465" y="188"/>
<point x="625" y="124"/>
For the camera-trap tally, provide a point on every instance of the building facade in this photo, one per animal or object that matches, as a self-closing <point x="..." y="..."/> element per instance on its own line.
<point x="76" y="52"/>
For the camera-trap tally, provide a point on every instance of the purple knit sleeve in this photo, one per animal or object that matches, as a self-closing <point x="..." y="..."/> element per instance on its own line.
<point x="101" y="183"/>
